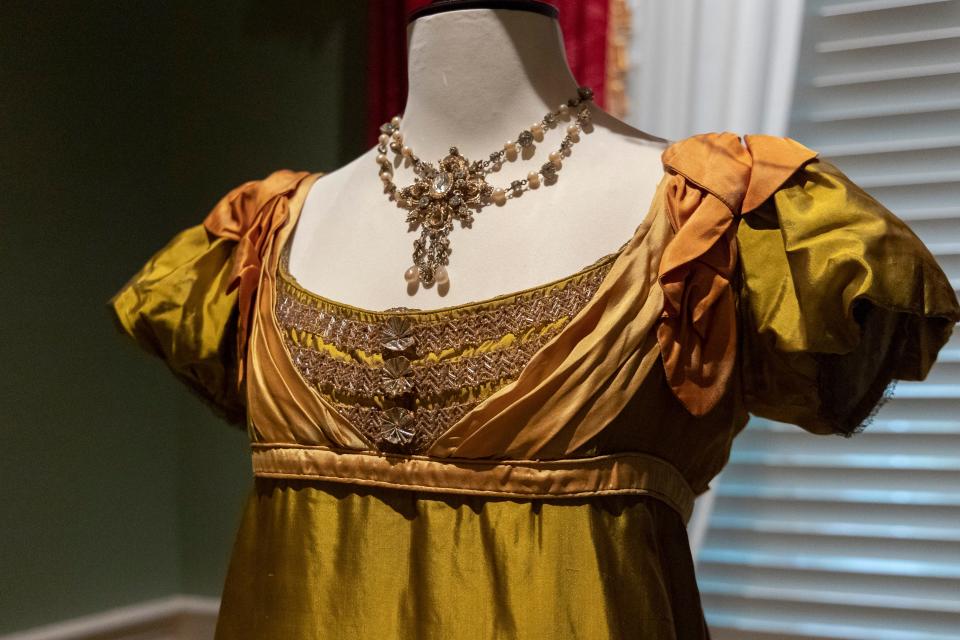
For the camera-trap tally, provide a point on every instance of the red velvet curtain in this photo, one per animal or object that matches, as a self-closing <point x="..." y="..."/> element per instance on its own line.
<point x="584" y="24"/>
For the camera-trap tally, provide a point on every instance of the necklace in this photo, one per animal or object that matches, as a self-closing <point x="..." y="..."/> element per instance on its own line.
<point x="442" y="194"/>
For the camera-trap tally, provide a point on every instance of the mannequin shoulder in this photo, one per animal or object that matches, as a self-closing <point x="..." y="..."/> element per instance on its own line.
<point x="335" y="179"/>
<point x="608" y="132"/>
<point x="614" y="128"/>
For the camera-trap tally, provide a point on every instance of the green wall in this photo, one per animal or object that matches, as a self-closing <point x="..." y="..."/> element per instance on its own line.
<point x="118" y="128"/>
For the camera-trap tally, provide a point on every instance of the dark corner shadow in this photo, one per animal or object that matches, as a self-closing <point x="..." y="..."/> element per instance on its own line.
<point x="309" y="23"/>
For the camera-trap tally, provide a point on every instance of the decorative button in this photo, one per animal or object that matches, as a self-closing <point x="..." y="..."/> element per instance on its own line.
<point x="395" y="376"/>
<point x="397" y="425"/>
<point x="398" y="334"/>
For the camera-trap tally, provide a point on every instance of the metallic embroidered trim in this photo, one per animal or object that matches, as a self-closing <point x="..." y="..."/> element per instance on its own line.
<point x="295" y="311"/>
<point x="424" y="426"/>
<point x="349" y="312"/>
<point x="337" y="376"/>
<point x="406" y="376"/>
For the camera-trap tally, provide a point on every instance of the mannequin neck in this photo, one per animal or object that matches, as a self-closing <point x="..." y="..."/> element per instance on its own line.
<point x="477" y="77"/>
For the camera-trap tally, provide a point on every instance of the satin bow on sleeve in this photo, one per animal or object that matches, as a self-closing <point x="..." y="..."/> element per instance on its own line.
<point x="715" y="179"/>
<point x="249" y="215"/>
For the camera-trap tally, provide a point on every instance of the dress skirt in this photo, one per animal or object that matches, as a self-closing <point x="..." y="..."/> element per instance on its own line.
<point x="315" y="559"/>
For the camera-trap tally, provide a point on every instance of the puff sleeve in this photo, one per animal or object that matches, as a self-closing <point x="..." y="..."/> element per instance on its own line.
<point x="188" y="304"/>
<point x="837" y="299"/>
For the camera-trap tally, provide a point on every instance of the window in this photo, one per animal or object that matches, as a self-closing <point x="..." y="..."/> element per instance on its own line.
<point x="822" y="536"/>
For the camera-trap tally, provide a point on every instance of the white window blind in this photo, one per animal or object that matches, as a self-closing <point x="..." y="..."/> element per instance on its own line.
<point x="826" y="537"/>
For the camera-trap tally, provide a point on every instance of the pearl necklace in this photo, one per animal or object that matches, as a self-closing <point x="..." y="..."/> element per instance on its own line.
<point x="440" y="195"/>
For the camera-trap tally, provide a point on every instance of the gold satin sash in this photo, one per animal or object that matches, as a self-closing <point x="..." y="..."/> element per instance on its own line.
<point x="622" y="473"/>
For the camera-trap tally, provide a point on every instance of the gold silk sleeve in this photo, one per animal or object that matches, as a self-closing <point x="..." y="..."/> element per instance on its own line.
<point x="837" y="298"/>
<point x="177" y="307"/>
<point x="190" y="303"/>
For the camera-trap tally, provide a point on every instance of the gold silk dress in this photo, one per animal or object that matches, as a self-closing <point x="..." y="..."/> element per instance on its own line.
<point x="524" y="466"/>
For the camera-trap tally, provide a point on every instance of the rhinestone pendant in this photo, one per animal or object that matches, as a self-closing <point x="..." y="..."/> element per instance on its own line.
<point x="441" y="184"/>
<point x="435" y="200"/>
<point x="441" y="194"/>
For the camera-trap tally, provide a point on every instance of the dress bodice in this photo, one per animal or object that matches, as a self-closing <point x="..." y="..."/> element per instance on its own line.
<point x="761" y="280"/>
<point x="403" y="376"/>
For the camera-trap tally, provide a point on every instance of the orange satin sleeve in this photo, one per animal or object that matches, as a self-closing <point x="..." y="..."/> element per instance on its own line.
<point x="714" y="179"/>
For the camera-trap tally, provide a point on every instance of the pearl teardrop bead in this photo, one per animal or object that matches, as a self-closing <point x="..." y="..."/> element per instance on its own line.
<point x="412" y="274"/>
<point x="440" y="275"/>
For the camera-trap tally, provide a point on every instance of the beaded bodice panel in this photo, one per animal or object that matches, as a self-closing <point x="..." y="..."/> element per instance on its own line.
<point x="403" y="376"/>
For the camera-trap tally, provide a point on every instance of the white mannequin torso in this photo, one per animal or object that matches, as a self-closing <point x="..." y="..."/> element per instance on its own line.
<point x="478" y="77"/>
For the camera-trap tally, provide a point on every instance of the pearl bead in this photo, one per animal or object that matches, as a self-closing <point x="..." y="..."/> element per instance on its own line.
<point x="395" y="121"/>
<point x="573" y="130"/>
<point x="412" y="274"/>
<point x="381" y="158"/>
<point x="564" y="109"/>
<point x="398" y="136"/>
<point x="383" y="139"/>
<point x="499" y="196"/>
<point x="509" y="146"/>
<point x="440" y="275"/>
<point x="385" y="176"/>
<point x="533" y="179"/>
<point x="536" y="129"/>
<point x="406" y="151"/>
<point x="555" y="158"/>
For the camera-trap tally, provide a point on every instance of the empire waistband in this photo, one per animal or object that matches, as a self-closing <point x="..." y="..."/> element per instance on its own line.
<point x="619" y="473"/>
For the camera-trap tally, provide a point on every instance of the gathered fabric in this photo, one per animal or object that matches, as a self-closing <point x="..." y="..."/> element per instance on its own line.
<point x="714" y="181"/>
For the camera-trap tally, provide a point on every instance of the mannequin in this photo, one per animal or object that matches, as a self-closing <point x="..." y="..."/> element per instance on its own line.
<point x="478" y="76"/>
